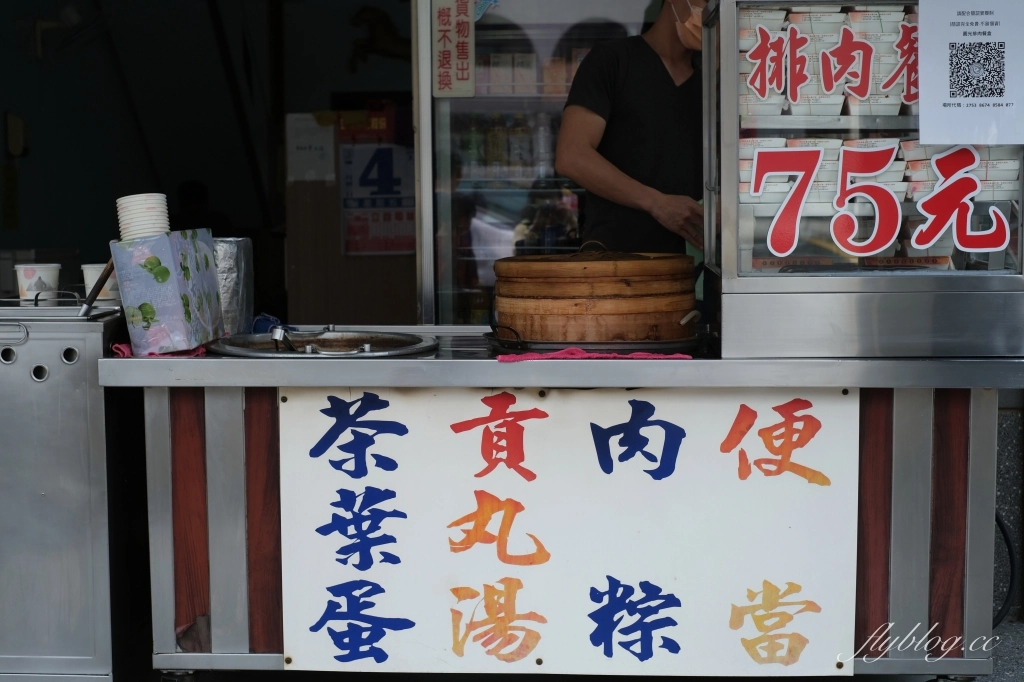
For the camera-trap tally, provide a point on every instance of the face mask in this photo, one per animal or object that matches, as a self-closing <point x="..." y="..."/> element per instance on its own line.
<point x="681" y="26"/>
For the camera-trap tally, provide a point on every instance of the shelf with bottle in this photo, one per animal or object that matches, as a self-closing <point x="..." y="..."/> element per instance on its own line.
<point x="500" y="150"/>
<point x="526" y="103"/>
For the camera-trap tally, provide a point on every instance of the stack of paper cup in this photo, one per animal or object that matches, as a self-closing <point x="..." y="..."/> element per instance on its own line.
<point x="142" y="215"/>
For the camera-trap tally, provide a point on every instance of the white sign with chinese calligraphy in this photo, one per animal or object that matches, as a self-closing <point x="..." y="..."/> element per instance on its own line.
<point x="661" y="531"/>
<point x="453" y="49"/>
<point x="972" y="72"/>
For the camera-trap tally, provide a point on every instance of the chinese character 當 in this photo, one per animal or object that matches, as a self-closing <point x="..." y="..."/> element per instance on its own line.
<point x="634" y="442"/>
<point x="768" y="616"/>
<point x="616" y="604"/>
<point x="498" y="631"/>
<point x="502" y="444"/>
<point x="487" y="506"/>
<point x="347" y="416"/>
<point x="794" y="432"/>
<point x="360" y="523"/>
<point x="359" y="640"/>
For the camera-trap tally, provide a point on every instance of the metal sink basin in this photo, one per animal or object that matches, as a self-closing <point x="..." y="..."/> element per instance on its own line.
<point x="324" y="344"/>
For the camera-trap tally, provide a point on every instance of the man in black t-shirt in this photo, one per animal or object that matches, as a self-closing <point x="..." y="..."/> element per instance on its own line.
<point x="631" y="136"/>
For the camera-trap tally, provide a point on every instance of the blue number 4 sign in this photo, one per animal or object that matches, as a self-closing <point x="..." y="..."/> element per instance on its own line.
<point x="380" y="174"/>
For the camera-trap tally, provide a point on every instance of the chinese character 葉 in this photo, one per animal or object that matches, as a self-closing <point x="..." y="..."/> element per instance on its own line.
<point x="634" y="442"/>
<point x="498" y="629"/>
<point x="359" y="640"/>
<point x="347" y="418"/>
<point x="616" y="604"/>
<point x="359" y="524"/>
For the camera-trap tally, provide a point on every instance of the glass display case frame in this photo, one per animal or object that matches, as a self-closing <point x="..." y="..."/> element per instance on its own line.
<point x="844" y="314"/>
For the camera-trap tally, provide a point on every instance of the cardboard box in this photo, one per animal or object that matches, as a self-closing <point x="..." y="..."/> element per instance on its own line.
<point x="556" y="77"/>
<point x="170" y="291"/>
<point x="525" y="74"/>
<point x="501" y="74"/>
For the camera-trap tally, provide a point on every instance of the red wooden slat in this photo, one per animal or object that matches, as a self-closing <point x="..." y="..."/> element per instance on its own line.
<point x="874" y="514"/>
<point x="263" y="514"/>
<point x="950" y="456"/>
<point x="191" y="532"/>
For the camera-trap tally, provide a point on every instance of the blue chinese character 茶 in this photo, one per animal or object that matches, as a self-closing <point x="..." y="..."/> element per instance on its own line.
<point x="617" y="604"/>
<point x="634" y="442"/>
<point x="347" y="416"/>
<point x="359" y="523"/>
<point x="364" y="631"/>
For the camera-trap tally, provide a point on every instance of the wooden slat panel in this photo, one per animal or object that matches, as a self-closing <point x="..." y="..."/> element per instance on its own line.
<point x="951" y="454"/>
<point x="263" y="502"/>
<point x="874" y="515"/>
<point x="191" y="532"/>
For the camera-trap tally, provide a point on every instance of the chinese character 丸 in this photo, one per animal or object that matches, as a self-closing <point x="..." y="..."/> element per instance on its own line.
<point x="348" y="419"/>
<point x="906" y="47"/>
<point x="609" y="617"/>
<point x="793" y="433"/>
<point x="487" y="505"/>
<point x="634" y="442"/>
<point x="767" y="616"/>
<point x="948" y="205"/>
<point x="364" y="630"/>
<point x="502" y="444"/>
<point x="359" y="525"/>
<point x="837" y="65"/>
<point x="497" y="628"/>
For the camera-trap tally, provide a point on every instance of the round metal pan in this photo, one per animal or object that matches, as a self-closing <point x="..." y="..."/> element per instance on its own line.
<point x="325" y="345"/>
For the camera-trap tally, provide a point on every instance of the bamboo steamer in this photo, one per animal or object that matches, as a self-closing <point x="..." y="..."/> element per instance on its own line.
<point x="595" y="297"/>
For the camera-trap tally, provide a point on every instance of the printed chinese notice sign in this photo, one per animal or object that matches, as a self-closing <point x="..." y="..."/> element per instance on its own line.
<point x="453" y="48"/>
<point x="662" y="532"/>
<point x="378" y="183"/>
<point x="972" y="72"/>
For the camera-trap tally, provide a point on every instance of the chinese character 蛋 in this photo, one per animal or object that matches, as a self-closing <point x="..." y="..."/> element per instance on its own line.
<point x="347" y="418"/>
<point x="617" y="603"/>
<point x="633" y="442"/>
<point x="487" y="507"/>
<point x="502" y="444"/>
<point x="769" y="616"/>
<point x="794" y="432"/>
<point x="496" y="631"/>
<point x="360" y="522"/>
<point x="359" y="640"/>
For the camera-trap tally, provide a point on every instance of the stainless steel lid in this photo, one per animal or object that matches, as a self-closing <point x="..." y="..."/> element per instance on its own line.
<point x="284" y="344"/>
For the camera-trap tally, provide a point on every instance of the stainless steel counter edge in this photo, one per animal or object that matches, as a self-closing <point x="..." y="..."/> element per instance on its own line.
<point x="480" y="373"/>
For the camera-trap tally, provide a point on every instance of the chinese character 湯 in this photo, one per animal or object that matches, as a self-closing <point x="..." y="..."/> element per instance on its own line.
<point x="497" y="631"/>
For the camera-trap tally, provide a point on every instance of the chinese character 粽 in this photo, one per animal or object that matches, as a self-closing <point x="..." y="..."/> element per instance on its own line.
<point x="487" y="506"/>
<point x="360" y="523"/>
<point x="498" y="632"/>
<point x="364" y="630"/>
<point x="616" y="605"/>
<point x="792" y="433"/>
<point x="633" y="442"/>
<point x="768" y="616"/>
<point x="347" y="416"/>
<point x="502" y="444"/>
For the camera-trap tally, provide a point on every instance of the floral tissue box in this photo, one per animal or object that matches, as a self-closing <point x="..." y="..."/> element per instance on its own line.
<point x="169" y="291"/>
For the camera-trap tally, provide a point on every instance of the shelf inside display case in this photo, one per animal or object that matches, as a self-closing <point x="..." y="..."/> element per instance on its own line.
<point x="850" y="123"/>
<point x="503" y="104"/>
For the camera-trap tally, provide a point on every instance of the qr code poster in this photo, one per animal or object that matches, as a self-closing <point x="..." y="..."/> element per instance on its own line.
<point x="972" y="72"/>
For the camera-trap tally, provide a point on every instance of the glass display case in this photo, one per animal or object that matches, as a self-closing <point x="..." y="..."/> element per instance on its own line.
<point x="495" y="190"/>
<point x="834" y="231"/>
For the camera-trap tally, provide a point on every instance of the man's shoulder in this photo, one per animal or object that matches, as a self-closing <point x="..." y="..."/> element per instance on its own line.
<point x="617" y="46"/>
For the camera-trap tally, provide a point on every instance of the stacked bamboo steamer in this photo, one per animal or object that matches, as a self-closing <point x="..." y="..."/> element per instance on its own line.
<point x="595" y="297"/>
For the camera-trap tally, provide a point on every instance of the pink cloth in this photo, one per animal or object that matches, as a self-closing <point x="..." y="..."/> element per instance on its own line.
<point x="580" y="354"/>
<point x="124" y="350"/>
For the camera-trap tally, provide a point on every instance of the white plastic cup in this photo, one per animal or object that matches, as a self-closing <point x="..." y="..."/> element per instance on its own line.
<point x="110" y="290"/>
<point x="141" y="213"/>
<point x="141" y="198"/>
<point x="38" y="279"/>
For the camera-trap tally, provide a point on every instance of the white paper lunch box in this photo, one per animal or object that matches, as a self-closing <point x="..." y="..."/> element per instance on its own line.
<point x="818" y="105"/>
<point x="749" y="144"/>
<point x="774" y="193"/>
<point x="874" y="105"/>
<point x="876" y="22"/>
<point x="752" y="105"/>
<point x="830" y="145"/>
<point x="922" y="171"/>
<point x="992" y="190"/>
<point x="771" y="19"/>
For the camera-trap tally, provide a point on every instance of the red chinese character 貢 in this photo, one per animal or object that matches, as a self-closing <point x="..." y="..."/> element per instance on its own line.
<point x="796" y="62"/>
<point x="769" y="58"/>
<point x="502" y="444"/>
<point x="853" y="163"/>
<point x="906" y="47"/>
<point x="792" y="433"/>
<point x="838" y="65"/>
<point x="949" y="204"/>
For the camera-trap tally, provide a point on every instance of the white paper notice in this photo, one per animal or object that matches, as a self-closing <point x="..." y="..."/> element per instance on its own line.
<point x="972" y="71"/>
<point x="310" y="146"/>
<point x="453" y="48"/>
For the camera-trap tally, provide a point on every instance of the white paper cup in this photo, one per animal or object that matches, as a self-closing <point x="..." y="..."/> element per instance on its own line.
<point x="138" y="212"/>
<point x="136" y="198"/>
<point x="143" y="223"/>
<point x="142" y="235"/>
<point x="34" y="278"/>
<point x="90" y="273"/>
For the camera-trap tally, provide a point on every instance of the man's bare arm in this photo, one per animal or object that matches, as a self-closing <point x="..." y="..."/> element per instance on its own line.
<point x="577" y="158"/>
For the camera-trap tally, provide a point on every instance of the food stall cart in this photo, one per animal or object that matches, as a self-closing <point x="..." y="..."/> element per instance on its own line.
<point x="819" y="500"/>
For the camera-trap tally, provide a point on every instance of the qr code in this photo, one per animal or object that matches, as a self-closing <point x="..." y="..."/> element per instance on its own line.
<point x="977" y="70"/>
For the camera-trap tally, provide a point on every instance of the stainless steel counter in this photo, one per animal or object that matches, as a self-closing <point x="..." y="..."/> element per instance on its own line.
<point x="465" y="361"/>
